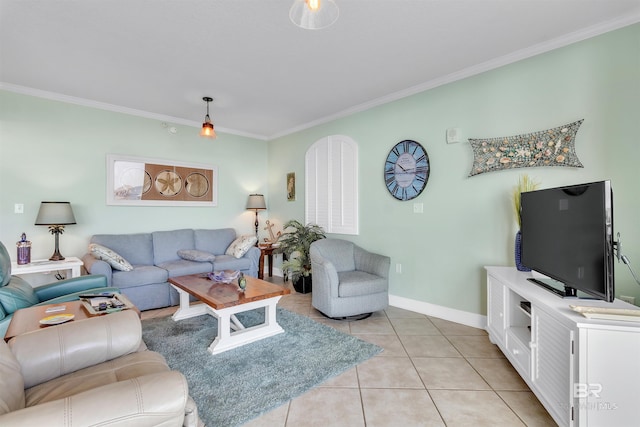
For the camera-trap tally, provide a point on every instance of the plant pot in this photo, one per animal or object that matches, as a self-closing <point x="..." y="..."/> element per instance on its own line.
<point x="518" y="253"/>
<point x="303" y="284"/>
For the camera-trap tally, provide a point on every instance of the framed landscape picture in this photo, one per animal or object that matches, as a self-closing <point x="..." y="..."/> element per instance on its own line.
<point x="141" y="181"/>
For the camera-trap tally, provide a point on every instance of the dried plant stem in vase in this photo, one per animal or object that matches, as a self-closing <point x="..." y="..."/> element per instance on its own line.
<point x="525" y="183"/>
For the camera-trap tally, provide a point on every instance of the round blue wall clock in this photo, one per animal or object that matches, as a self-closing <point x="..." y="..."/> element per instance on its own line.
<point x="406" y="170"/>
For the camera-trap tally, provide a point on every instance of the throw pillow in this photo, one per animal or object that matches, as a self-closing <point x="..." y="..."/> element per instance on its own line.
<point x="196" y="255"/>
<point x="241" y="245"/>
<point x="110" y="257"/>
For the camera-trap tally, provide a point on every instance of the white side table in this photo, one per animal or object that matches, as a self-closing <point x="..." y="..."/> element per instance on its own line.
<point x="45" y="266"/>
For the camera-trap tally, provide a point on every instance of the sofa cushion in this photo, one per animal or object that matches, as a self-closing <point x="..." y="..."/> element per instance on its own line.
<point x="135" y="248"/>
<point x="241" y="245"/>
<point x="214" y="241"/>
<point x="123" y="368"/>
<point x="17" y="294"/>
<point x="196" y="255"/>
<point x="228" y="262"/>
<point x="150" y="296"/>
<point x="166" y="244"/>
<point x="75" y="345"/>
<point x="357" y="283"/>
<point x="109" y="256"/>
<point x="340" y="252"/>
<point x="11" y="383"/>
<point x="140" y="275"/>
<point x="182" y="267"/>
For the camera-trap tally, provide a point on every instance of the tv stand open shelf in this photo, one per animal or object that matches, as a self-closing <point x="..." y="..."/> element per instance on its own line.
<point x="584" y="371"/>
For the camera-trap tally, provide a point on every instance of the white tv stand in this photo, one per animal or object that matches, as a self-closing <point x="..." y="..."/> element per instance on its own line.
<point x="586" y="372"/>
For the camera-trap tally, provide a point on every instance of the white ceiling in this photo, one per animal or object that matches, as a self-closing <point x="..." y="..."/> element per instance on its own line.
<point x="158" y="58"/>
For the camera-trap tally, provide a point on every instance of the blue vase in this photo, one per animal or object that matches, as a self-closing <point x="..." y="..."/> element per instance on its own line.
<point x="518" y="253"/>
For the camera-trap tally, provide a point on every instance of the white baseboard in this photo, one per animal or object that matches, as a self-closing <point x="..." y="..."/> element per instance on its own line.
<point x="463" y="317"/>
<point x="446" y="313"/>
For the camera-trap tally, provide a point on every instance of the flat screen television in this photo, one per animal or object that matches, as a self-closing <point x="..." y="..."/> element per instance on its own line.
<point x="567" y="235"/>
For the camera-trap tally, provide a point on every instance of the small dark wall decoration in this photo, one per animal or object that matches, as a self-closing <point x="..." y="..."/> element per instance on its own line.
<point x="552" y="147"/>
<point x="291" y="186"/>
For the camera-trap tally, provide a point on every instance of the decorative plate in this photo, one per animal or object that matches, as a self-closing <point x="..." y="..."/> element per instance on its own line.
<point x="168" y="183"/>
<point x="57" y="319"/>
<point x="225" y="276"/>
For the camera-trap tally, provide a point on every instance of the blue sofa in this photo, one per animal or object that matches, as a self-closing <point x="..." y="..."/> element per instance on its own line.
<point x="154" y="258"/>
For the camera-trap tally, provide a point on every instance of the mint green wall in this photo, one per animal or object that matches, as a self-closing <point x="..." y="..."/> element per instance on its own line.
<point x="467" y="222"/>
<point x="52" y="150"/>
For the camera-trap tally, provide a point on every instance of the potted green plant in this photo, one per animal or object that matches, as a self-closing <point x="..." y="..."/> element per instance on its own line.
<point x="294" y="244"/>
<point x="524" y="184"/>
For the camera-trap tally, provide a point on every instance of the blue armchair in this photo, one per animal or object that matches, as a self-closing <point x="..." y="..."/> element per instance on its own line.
<point x="348" y="281"/>
<point x="16" y="293"/>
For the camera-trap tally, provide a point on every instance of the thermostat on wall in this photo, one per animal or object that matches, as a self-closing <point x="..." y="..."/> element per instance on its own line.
<point x="453" y="135"/>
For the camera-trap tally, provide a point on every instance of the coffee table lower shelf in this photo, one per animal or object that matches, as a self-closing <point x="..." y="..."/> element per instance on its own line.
<point x="227" y="321"/>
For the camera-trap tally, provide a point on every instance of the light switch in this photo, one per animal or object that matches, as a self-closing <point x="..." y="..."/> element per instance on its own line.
<point x="418" y="208"/>
<point x="18" y="208"/>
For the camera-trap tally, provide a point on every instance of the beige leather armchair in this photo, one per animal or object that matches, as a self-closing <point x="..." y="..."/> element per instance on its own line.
<point x="91" y="372"/>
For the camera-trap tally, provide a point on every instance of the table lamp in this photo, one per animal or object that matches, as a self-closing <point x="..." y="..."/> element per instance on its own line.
<point x="256" y="202"/>
<point x="56" y="215"/>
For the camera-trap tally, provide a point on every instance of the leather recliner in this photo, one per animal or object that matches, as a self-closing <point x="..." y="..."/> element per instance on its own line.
<point x="96" y="371"/>
<point x="16" y="293"/>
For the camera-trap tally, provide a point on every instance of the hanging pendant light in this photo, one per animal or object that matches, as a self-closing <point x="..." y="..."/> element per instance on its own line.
<point x="314" y="14"/>
<point x="207" y="127"/>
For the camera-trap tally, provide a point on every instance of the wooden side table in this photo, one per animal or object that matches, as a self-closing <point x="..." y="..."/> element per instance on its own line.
<point x="265" y="251"/>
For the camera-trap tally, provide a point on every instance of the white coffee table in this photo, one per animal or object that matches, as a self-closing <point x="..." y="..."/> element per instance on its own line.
<point x="224" y="301"/>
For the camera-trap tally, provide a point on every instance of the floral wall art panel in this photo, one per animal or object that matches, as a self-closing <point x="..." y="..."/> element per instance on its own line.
<point x="137" y="181"/>
<point x="552" y="147"/>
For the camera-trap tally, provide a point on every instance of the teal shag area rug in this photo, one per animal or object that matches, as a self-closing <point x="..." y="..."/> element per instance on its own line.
<point x="236" y="386"/>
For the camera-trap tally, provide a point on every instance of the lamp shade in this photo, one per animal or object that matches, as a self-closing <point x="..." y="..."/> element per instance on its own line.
<point x="314" y="14"/>
<point x="207" y="130"/>
<point x="207" y="127"/>
<point x="256" y="202"/>
<point x="55" y="213"/>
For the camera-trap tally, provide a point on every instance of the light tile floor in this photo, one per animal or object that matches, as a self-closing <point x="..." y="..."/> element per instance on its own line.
<point x="432" y="372"/>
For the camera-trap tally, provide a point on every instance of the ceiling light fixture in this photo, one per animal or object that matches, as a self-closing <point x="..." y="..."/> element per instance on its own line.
<point x="207" y="127"/>
<point x="314" y="14"/>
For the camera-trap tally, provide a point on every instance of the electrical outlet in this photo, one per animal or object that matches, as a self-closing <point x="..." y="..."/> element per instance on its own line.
<point x="630" y="300"/>
<point x="399" y="268"/>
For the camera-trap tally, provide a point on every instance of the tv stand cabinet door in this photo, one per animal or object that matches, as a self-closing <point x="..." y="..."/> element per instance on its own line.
<point x="553" y="364"/>
<point x="607" y="390"/>
<point x="496" y="320"/>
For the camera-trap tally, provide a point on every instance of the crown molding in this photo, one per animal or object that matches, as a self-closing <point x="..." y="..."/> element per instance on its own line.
<point x="53" y="96"/>
<point x="493" y="64"/>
